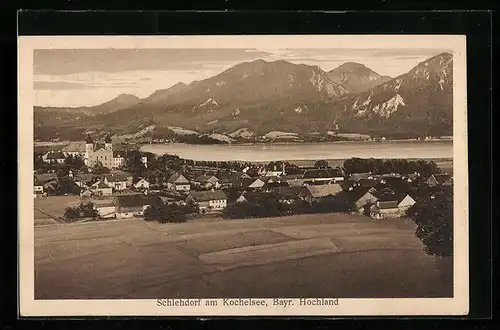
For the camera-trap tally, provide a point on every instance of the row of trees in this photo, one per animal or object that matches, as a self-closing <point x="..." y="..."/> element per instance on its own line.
<point x="380" y="166"/>
<point x="271" y="207"/>
<point x="164" y="213"/>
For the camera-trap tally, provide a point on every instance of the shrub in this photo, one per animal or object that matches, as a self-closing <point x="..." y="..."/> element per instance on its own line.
<point x="166" y="213"/>
<point x="72" y="213"/>
<point x="88" y="210"/>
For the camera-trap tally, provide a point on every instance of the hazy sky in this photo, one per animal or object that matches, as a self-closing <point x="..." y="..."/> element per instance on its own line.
<point x="68" y="77"/>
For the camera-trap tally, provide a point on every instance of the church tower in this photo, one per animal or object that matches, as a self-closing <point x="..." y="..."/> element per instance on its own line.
<point x="107" y="143"/>
<point x="89" y="149"/>
<point x="89" y="146"/>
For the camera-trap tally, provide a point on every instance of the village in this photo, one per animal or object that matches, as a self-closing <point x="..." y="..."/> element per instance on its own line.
<point x="107" y="184"/>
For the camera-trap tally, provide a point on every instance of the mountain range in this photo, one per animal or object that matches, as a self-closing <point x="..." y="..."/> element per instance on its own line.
<point x="255" y="98"/>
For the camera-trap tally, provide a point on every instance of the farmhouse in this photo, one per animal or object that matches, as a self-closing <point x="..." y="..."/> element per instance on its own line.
<point x="289" y="195"/>
<point x="141" y="184"/>
<point x="117" y="182"/>
<point x="250" y="183"/>
<point x="391" y="206"/>
<point x="178" y="182"/>
<point x="54" y="157"/>
<point x="105" y="208"/>
<point x="207" y="182"/>
<point x="84" y="180"/>
<point x="440" y="179"/>
<point x="253" y="197"/>
<point x="323" y="175"/>
<point x="361" y="197"/>
<point x="101" y="189"/>
<point x="275" y="186"/>
<point x="316" y="193"/>
<point x="74" y="149"/>
<point x="128" y="206"/>
<point x="208" y="201"/>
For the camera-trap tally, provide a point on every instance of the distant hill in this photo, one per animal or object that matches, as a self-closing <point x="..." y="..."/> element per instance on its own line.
<point x="120" y="102"/>
<point x="356" y="77"/>
<point x="254" y="98"/>
<point x="419" y="102"/>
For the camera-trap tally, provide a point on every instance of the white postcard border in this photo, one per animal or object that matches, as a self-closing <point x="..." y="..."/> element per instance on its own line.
<point x="458" y="305"/>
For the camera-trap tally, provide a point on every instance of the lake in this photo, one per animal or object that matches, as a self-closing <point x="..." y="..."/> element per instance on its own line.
<point x="259" y="152"/>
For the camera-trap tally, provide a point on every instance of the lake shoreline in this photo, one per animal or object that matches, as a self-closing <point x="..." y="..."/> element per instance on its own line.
<point x="64" y="143"/>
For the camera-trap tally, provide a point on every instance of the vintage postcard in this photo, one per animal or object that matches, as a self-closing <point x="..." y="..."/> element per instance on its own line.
<point x="273" y="175"/>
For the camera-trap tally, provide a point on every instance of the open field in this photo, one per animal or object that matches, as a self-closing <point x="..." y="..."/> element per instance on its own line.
<point x="54" y="205"/>
<point x="321" y="255"/>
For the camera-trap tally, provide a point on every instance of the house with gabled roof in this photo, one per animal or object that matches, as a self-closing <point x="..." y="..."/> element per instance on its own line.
<point x="250" y="183"/>
<point x="289" y="195"/>
<point x="178" y="182"/>
<point x="172" y="197"/>
<point x="275" y="186"/>
<point x="361" y="196"/>
<point x="54" y="157"/>
<point x="141" y="184"/>
<point x="74" y="149"/>
<point x="391" y="205"/>
<point x="128" y="206"/>
<point x="444" y="179"/>
<point x="255" y="197"/>
<point x="323" y="175"/>
<point x="116" y="181"/>
<point x="101" y="189"/>
<point x="208" y="201"/>
<point x="316" y="193"/>
<point x="207" y="182"/>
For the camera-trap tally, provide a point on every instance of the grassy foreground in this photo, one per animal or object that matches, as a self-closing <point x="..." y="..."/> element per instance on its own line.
<point x="321" y="255"/>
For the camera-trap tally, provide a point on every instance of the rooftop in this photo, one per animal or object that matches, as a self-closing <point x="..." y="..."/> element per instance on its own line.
<point x="441" y="178"/>
<point x="135" y="200"/>
<point x="384" y="205"/>
<point x="56" y="155"/>
<point x="204" y="196"/>
<point x="75" y="146"/>
<point x="116" y="178"/>
<point x="177" y="178"/>
<point x="324" y="190"/>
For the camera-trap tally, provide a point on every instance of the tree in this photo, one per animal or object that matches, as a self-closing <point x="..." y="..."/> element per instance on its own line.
<point x="88" y="210"/>
<point x="66" y="186"/>
<point x="38" y="161"/>
<point x="133" y="163"/>
<point x="166" y="213"/>
<point x="357" y="165"/>
<point x="153" y="212"/>
<point x="72" y="213"/>
<point x="321" y="163"/>
<point x="433" y="216"/>
<point x="98" y="168"/>
<point x="74" y="162"/>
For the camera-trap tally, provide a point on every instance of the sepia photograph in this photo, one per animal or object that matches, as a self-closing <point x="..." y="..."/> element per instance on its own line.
<point x="276" y="175"/>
